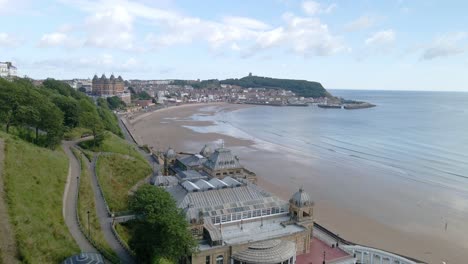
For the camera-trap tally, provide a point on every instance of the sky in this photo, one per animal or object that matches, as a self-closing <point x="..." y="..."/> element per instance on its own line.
<point x="361" y="44"/>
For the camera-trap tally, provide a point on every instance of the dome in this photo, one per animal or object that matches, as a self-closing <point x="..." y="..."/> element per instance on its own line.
<point x="103" y="77"/>
<point x="272" y="251"/>
<point x="206" y="151"/>
<point x="112" y="77"/>
<point x="95" y="78"/>
<point x="170" y="153"/>
<point x="301" y="198"/>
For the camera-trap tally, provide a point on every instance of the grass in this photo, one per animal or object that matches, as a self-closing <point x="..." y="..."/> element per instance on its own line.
<point x="85" y="204"/>
<point x="124" y="231"/>
<point x="117" y="174"/>
<point x="114" y="144"/>
<point x="76" y="133"/>
<point x="34" y="181"/>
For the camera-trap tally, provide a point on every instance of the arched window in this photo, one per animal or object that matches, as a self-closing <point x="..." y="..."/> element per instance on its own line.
<point x="220" y="259"/>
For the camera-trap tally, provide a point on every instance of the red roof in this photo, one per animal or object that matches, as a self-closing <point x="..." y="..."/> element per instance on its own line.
<point x="315" y="255"/>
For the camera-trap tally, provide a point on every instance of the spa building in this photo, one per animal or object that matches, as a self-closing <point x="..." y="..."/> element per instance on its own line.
<point x="237" y="222"/>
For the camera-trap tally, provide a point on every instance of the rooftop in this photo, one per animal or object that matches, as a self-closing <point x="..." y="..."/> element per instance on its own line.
<point x="222" y="158"/>
<point x="221" y="200"/>
<point x="84" y="258"/>
<point x="259" y="230"/>
<point x="271" y="251"/>
<point x="315" y="255"/>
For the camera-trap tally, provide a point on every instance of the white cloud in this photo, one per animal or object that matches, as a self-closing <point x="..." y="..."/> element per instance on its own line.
<point x="382" y="38"/>
<point x="303" y="35"/>
<point x="8" y="40"/>
<point x="443" y="46"/>
<point x="54" y="39"/>
<point x="235" y="47"/>
<point x="363" y="22"/>
<point x="103" y="62"/>
<point x="313" y="8"/>
<point x="111" y="25"/>
<point x="245" y="22"/>
<point x="112" y="28"/>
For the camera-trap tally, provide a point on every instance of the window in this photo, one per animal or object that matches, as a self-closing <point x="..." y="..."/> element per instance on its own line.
<point x="220" y="259"/>
<point x="207" y="260"/>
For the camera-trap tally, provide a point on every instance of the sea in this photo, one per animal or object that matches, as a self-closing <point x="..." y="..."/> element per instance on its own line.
<point x="412" y="150"/>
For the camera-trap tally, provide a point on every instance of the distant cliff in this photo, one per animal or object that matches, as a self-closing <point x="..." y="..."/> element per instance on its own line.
<point x="299" y="87"/>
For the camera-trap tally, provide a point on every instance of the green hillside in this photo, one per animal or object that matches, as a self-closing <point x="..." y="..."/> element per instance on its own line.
<point x="299" y="87"/>
<point x="46" y="114"/>
<point x="34" y="181"/>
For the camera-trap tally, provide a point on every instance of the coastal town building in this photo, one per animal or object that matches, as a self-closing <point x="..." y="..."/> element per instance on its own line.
<point x="107" y="87"/>
<point x="219" y="164"/>
<point x="235" y="221"/>
<point x="7" y="70"/>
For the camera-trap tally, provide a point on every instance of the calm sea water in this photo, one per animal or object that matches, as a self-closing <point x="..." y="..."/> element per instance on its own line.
<point x="421" y="136"/>
<point x="403" y="163"/>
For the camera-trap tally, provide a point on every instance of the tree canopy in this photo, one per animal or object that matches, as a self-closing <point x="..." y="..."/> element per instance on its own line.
<point x="162" y="231"/>
<point x="42" y="114"/>
<point x="299" y="87"/>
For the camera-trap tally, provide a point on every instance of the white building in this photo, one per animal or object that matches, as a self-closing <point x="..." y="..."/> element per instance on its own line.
<point x="7" y="69"/>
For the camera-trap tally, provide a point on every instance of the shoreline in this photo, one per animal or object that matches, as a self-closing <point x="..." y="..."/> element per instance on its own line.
<point x="173" y="127"/>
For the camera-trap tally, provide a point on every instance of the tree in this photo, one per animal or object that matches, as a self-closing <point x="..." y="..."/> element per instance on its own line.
<point x="162" y="231"/>
<point x="143" y="95"/>
<point x="70" y="108"/>
<point x="114" y="102"/>
<point x="9" y="103"/>
<point x="92" y="121"/>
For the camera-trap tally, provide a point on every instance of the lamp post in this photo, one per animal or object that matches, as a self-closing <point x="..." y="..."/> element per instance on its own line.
<point x="89" y="230"/>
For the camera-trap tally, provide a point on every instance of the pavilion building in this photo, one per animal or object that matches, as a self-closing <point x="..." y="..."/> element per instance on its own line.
<point x="237" y="222"/>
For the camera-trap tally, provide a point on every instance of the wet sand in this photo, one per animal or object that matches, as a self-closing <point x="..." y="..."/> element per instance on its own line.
<point x="283" y="174"/>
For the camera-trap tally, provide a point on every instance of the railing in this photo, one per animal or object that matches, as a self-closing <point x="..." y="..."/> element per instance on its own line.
<point x="356" y="249"/>
<point x="104" y="252"/>
<point x="121" y="241"/>
<point x="343" y="260"/>
<point x="95" y="160"/>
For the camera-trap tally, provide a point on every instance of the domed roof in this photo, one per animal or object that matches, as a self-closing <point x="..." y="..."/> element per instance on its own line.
<point x="206" y="151"/>
<point x="103" y="76"/>
<point x="301" y="198"/>
<point x="170" y="153"/>
<point x="95" y="77"/>
<point x="112" y="77"/>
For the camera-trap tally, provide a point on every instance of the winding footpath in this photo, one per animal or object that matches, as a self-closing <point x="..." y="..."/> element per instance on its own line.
<point x="70" y="207"/>
<point x="105" y="220"/>
<point x="70" y="199"/>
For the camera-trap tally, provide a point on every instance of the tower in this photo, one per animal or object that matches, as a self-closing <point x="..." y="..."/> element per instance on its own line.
<point x="301" y="210"/>
<point x="169" y="159"/>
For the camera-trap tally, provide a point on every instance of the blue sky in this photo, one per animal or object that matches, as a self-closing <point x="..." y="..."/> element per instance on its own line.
<point x="362" y="44"/>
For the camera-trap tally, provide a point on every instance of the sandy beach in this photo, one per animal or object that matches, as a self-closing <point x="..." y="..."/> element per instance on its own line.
<point x="283" y="174"/>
